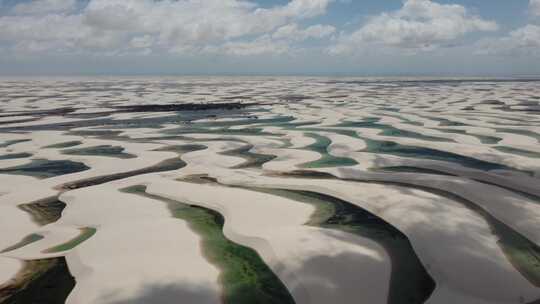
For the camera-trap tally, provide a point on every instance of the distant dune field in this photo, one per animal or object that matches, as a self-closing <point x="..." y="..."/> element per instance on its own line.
<point x="270" y="190"/>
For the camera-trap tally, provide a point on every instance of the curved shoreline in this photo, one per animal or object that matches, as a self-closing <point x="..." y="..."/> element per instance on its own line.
<point x="245" y="278"/>
<point x="409" y="278"/>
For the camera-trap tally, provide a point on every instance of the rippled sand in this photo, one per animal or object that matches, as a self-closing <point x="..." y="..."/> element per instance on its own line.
<point x="269" y="190"/>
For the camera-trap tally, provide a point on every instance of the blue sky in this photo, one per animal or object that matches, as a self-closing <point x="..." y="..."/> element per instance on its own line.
<point x="291" y="37"/>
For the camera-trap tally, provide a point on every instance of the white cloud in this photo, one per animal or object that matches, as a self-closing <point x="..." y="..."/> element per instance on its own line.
<point x="51" y="28"/>
<point x="419" y="24"/>
<point x="259" y="46"/>
<point x="535" y="7"/>
<point x="303" y="8"/>
<point x="524" y="41"/>
<point x="145" y="41"/>
<point x="115" y="26"/>
<point x="44" y="7"/>
<point x="278" y="43"/>
<point x="294" y="32"/>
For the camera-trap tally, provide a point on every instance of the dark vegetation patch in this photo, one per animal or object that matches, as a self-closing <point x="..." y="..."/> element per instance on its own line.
<point x="15" y="156"/>
<point x="166" y="165"/>
<point x="44" y="211"/>
<point x="44" y="281"/>
<point x="183" y="107"/>
<point x="12" y="142"/>
<point x="103" y="150"/>
<point x="42" y="168"/>
<point x="67" y="144"/>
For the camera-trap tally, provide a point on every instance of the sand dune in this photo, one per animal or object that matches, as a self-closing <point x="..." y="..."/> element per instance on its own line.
<point x="271" y="190"/>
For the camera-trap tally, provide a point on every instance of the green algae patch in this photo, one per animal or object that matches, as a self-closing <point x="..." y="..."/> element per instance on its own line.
<point x="181" y="149"/>
<point x="103" y="150"/>
<point x="67" y="144"/>
<point x="245" y="278"/>
<point x="25" y="241"/>
<point x="85" y="234"/>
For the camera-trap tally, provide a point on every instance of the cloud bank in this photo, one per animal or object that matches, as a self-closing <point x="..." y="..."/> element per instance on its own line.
<point x="418" y="25"/>
<point x="167" y="25"/>
<point x="245" y="31"/>
<point x="535" y="7"/>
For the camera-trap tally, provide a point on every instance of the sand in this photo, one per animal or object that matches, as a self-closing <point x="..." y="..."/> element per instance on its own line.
<point x="442" y="162"/>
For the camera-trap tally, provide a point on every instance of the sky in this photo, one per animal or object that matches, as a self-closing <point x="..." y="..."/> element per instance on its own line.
<point x="270" y="37"/>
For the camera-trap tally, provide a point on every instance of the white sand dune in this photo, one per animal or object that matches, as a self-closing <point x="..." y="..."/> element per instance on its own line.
<point x="486" y="171"/>
<point x="131" y="229"/>
<point x="274" y="227"/>
<point x="466" y="257"/>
